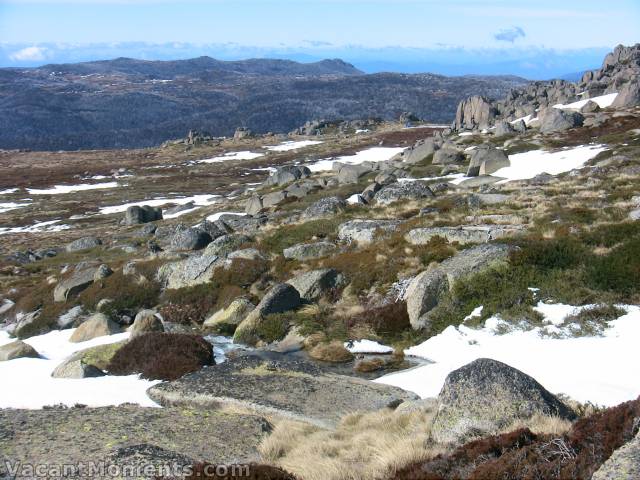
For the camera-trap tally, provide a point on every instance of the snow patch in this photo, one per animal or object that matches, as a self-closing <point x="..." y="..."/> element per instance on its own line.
<point x="27" y="382"/>
<point x="49" y="226"/>
<point x="603" y="101"/>
<point x="529" y="164"/>
<point x="199" y="200"/>
<point x="61" y="189"/>
<point x="216" y="216"/>
<point x="367" y="346"/>
<point x="243" y="155"/>
<point x="596" y="369"/>
<point x="375" y="154"/>
<point x="288" y="146"/>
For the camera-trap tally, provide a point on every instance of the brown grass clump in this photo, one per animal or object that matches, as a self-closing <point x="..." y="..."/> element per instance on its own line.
<point x="162" y="356"/>
<point x="364" y="446"/>
<point x="369" y="365"/>
<point x="331" y="352"/>
<point x="241" y="272"/>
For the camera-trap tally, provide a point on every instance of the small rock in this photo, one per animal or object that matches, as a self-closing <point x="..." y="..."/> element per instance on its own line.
<point x="97" y="325"/>
<point x="145" y="321"/>
<point x="17" y="349"/>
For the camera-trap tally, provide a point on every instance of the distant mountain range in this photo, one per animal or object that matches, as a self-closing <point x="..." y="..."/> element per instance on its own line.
<point x="125" y="103"/>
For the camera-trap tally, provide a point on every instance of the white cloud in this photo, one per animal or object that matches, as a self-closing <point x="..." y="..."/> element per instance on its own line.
<point x="29" y="54"/>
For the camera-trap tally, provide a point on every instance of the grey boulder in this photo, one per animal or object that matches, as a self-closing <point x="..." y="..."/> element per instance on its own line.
<point x="427" y="289"/>
<point x="328" y="206"/>
<point x="486" y="395"/>
<point x="556" y="120"/>
<point x="314" y="284"/>
<point x="399" y="191"/>
<point x="365" y="231"/>
<point x="84" y="243"/>
<point x="136" y="215"/>
<point x="309" y="251"/>
<point x="487" y="159"/>
<point x="281" y="298"/>
<point x="98" y="325"/>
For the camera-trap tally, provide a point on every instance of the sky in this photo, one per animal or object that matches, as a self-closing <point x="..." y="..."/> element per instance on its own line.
<point x="43" y="31"/>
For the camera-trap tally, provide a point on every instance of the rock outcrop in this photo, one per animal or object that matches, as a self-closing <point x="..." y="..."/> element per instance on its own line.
<point x="426" y="289"/>
<point x="474" y="113"/>
<point x="286" y="388"/>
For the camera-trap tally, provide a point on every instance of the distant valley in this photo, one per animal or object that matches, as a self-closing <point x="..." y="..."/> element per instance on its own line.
<point x="126" y="103"/>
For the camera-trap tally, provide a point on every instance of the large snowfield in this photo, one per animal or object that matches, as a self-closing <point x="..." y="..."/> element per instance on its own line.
<point x="27" y="382"/>
<point x="602" y="370"/>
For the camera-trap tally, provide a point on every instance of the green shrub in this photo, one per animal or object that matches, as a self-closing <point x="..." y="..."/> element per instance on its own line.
<point x="560" y="252"/>
<point x="241" y="272"/>
<point x="618" y="271"/>
<point x="273" y="327"/>
<point x="289" y="235"/>
<point x="611" y="234"/>
<point x="161" y="356"/>
<point x="592" y="321"/>
<point x="128" y="296"/>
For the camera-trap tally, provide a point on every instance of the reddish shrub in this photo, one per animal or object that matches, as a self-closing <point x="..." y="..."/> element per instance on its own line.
<point x="461" y="462"/>
<point x="252" y="471"/>
<point x="578" y="455"/>
<point x="162" y="356"/>
<point x="521" y="455"/>
<point x="388" y="319"/>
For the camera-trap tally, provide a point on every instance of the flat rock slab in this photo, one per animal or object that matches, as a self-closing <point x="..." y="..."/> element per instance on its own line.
<point x="57" y="436"/>
<point x="286" y="387"/>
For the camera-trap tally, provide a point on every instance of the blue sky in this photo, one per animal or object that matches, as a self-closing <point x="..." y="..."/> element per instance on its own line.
<point x="41" y="31"/>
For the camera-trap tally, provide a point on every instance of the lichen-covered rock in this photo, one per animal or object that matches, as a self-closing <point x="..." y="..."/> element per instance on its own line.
<point x="84" y="243"/>
<point x="399" y="191"/>
<point x="463" y="234"/>
<point x="79" y="280"/>
<point x="427" y="288"/>
<point x="225" y="321"/>
<point x="328" y="206"/>
<point x="365" y="231"/>
<point x="486" y="159"/>
<point x="474" y="113"/>
<point x="485" y="396"/>
<point x="624" y="464"/>
<point x="556" y="120"/>
<point x="309" y="251"/>
<point x="447" y="156"/>
<point x="286" y="388"/>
